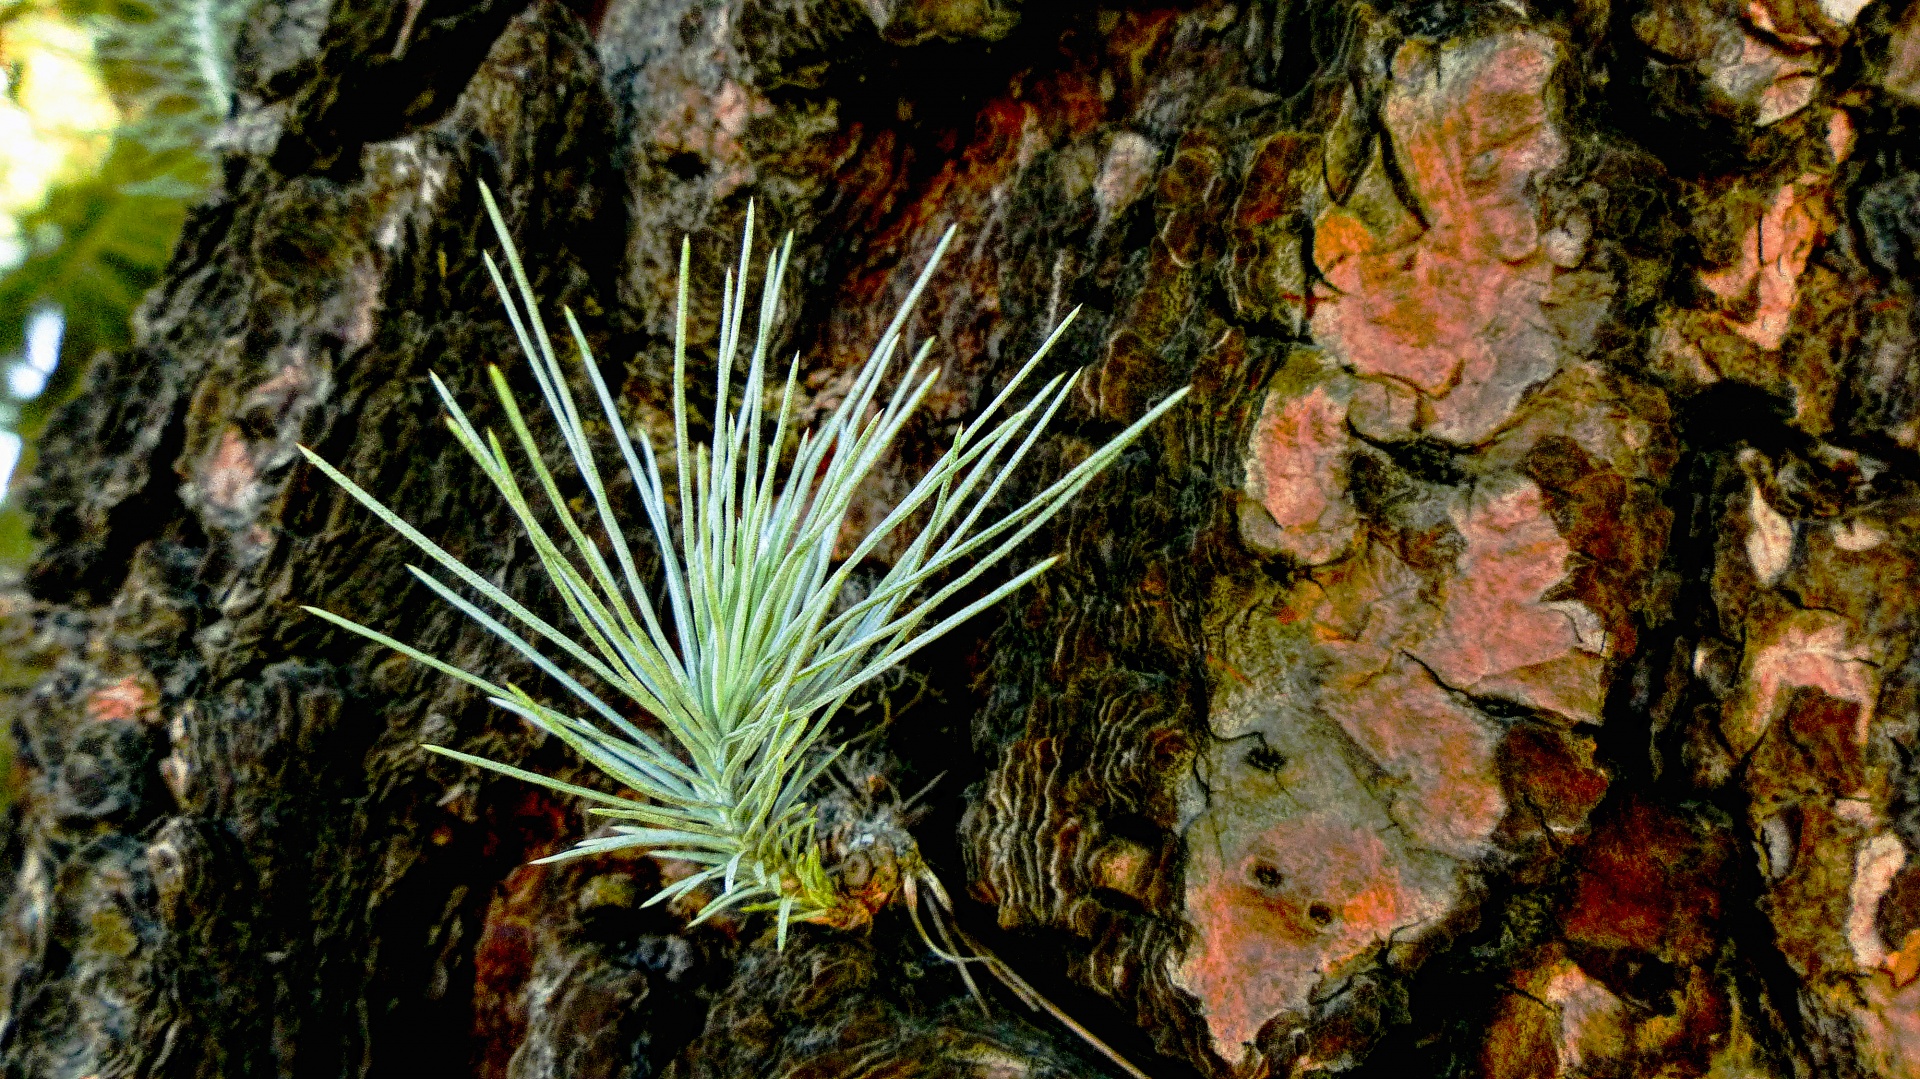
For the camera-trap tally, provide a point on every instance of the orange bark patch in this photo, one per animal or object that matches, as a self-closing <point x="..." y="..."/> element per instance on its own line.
<point x="1296" y="470"/>
<point x="1381" y="642"/>
<point x="1772" y="257"/>
<point x="1499" y="635"/>
<point x="1806" y="648"/>
<point x="1455" y="311"/>
<point x="229" y="473"/>
<point x="1448" y="588"/>
<point x="129" y="698"/>
<point x="1904" y="964"/>
<point x="1305" y="897"/>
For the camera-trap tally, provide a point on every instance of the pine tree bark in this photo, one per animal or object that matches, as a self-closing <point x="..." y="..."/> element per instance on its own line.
<point x="1503" y="665"/>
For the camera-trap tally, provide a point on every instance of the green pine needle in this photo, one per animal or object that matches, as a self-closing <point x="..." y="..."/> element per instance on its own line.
<point x="751" y="650"/>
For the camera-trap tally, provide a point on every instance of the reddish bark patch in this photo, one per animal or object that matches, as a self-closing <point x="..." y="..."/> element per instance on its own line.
<point x="534" y="824"/>
<point x="1267" y="278"/>
<point x="1898" y="916"/>
<point x="1827" y="730"/>
<point x="1650" y="882"/>
<point x="502" y="963"/>
<point x="1553" y="775"/>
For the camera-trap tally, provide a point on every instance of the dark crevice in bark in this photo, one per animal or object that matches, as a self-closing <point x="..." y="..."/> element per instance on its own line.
<point x="368" y="85"/>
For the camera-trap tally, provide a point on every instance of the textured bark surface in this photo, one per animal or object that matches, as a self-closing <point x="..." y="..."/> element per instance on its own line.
<point x="1503" y="665"/>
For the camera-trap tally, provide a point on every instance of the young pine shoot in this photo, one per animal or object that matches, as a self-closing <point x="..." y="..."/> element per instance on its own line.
<point x="756" y="641"/>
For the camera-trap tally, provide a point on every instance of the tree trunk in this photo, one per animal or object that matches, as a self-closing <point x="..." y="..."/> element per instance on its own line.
<point x="1504" y="664"/>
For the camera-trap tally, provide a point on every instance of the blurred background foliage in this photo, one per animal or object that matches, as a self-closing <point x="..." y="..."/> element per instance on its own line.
<point x="107" y="119"/>
<point x="106" y="125"/>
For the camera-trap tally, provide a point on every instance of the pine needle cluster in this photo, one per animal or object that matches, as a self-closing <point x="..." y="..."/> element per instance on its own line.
<point x="757" y="639"/>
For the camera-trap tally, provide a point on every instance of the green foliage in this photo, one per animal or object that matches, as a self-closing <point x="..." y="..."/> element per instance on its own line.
<point x="169" y="64"/>
<point x="99" y="243"/>
<point x="757" y="640"/>
<point x="101" y="240"/>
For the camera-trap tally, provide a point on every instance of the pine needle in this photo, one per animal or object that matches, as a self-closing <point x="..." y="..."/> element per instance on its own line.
<point x="747" y="655"/>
